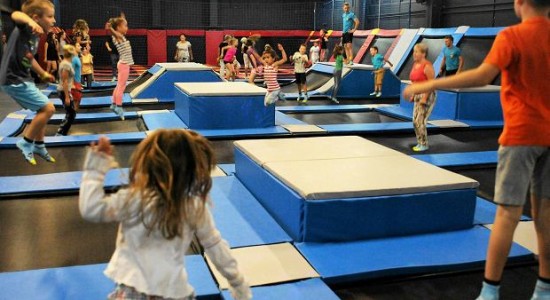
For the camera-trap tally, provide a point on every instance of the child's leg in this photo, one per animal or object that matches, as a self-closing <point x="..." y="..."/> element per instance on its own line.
<point x="540" y="207"/>
<point x="123" y="74"/>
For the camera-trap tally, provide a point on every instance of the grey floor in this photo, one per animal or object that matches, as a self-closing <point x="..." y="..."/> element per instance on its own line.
<point x="47" y="231"/>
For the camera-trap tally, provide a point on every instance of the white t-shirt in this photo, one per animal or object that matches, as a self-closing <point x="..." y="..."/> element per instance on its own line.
<point x="183" y="50"/>
<point x="314" y="54"/>
<point x="300" y="60"/>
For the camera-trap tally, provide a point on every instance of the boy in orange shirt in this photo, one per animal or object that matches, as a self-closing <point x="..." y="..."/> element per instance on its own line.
<point x="524" y="152"/>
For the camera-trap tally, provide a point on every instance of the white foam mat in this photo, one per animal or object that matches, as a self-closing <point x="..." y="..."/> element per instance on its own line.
<point x="299" y="128"/>
<point x="220" y="89"/>
<point x="268" y="264"/>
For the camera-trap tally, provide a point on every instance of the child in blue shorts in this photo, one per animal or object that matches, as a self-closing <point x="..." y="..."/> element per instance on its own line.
<point x="36" y="18"/>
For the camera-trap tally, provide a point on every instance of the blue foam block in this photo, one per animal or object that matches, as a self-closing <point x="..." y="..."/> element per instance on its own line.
<point x="323" y="68"/>
<point x="355" y="218"/>
<point x="88" y="282"/>
<point x="163" y="87"/>
<point x="486" y="211"/>
<point x="55" y="182"/>
<point x="229" y="112"/>
<point x="12" y="124"/>
<point x="371" y="127"/>
<point x="154" y="69"/>
<point x="242" y="132"/>
<point x="162" y="120"/>
<point x="428" y="253"/>
<point x="311" y="289"/>
<point x="325" y="108"/>
<point x="483" y="31"/>
<point x="459" y="159"/>
<point x="240" y="218"/>
<point x="282" y="119"/>
<point x="359" y="83"/>
<point x="396" y="111"/>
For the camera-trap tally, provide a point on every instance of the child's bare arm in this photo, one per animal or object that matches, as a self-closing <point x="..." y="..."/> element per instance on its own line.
<point x="22" y="18"/>
<point x="284" y="58"/>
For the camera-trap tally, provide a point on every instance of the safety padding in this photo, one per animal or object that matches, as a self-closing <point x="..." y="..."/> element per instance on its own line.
<point x="459" y="159"/>
<point x="54" y="141"/>
<point x="371" y="127"/>
<point x="88" y="282"/>
<point x="163" y="119"/>
<point x="12" y="124"/>
<point x="310" y="289"/>
<point x="320" y="193"/>
<point x="359" y="83"/>
<point x="163" y="87"/>
<point x="399" y="256"/>
<point x="240" y="218"/>
<point x="486" y="211"/>
<point x="223" y="105"/>
<point x="96" y="101"/>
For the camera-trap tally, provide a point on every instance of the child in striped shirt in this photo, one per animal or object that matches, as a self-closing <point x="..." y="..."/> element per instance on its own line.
<point x="271" y="67"/>
<point x="119" y="28"/>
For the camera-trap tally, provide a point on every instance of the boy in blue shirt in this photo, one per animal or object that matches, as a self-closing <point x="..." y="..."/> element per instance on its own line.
<point x="452" y="58"/>
<point x="351" y="22"/>
<point x="378" y="61"/>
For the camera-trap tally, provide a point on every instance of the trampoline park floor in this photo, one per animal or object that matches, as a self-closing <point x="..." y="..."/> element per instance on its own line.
<point x="47" y="231"/>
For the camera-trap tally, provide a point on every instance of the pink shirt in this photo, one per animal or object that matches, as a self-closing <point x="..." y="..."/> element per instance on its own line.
<point x="230" y="55"/>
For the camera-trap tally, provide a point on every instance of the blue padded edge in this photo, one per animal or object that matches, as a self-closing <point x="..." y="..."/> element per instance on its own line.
<point x="242" y="132"/>
<point x="56" y="182"/>
<point x="314" y="93"/>
<point x="240" y="218"/>
<point x="437" y="252"/>
<point x="483" y="31"/>
<point x="310" y="289"/>
<point x="477" y="124"/>
<point x="371" y="127"/>
<point x="88" y="282"/>
<point x="282" y="119"/>
<point x="46" y="93"/>
<point x="125" y="137"/>
<point x="92" y="117"/>
<point x="96" y="101"/>
<point x="163" y="120"/>
<point x="325" y="108"/>
<point x="438" y="31"/>
<point x="10" y="126"/>
<point x="459" y="159"/>
<point x="323" y="68"/>
<point x="395" y="111"/>
<point x="104" y="84"/>
<point x="154" y="69"/>
<point x="229" y="169"/>
<point x="486" y="211"/>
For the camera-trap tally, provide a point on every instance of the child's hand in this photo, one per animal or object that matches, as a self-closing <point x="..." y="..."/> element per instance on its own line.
<point x="280" y="47"/>
<point x="103" y="145"/>
<point x="36" y="29"/>
<point x="47" y="77"/>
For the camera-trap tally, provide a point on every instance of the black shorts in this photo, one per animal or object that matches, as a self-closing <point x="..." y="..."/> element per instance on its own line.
<point x="450" y="72"/>
<point x="347" y="38"/>
<point x="300" y="78"/>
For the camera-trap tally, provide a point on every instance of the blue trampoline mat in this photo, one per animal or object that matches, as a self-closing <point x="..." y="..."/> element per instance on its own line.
<point x="282" y="119"/>
<point x="162" y="120"/>
<point x="311" y="289"/>
<point x="325" y="108"/>
<point x="240" y="218"/>
<point x="53" y="141"/>
<point x="398" y="256"/>
<point x="242" y="132"/>
<point x="371" y="127"/>
<point x="486" y="211"/>
<point x="96" y="101"/>
<point x="459" y="159"/>
<point x="229" y="169"/>
<point x="89" y="282"/>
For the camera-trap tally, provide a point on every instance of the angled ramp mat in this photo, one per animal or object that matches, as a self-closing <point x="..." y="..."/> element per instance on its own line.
<point x="88" y="282"/>
<point x="310" y="289"/>
<point x="400" y="256"/>
<point x="459" y="159"/>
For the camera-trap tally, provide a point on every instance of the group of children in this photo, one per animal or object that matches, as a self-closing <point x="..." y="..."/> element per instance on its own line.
<point x="166" y="202"/>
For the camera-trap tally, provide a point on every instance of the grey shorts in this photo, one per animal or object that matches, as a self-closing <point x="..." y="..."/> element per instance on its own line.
<point x="521" y="169"/>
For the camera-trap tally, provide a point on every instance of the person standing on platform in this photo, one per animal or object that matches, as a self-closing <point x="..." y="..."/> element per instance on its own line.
<point x="221" y="53"/>
<point x="351" y="22"/>
<point x="322" y="44"/>
<point x="87" y="73"/>
<point x="452" y="58"/>
<point x="378" y="62"/>
<point x="119" y="28"/>
<point x="314" y="53"/>
<point x="424" y="103"/>
<point x="66" y="84"/>
<point x="523" y="168"/>
<point x="301" y="61"/>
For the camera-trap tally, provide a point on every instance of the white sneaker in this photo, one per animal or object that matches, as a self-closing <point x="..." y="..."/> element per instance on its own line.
<point x="334" y="100"/>
<point x="113" y="79"/>
<point x="378" y="94"/>
<point x="373" y="93"/>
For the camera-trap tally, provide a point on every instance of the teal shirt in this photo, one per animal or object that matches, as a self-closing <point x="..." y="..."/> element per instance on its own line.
<point x="451" y="57"/>
<point x="339" y="62"/>
<point x="349" y="21"/>
<point x="378" y="61"/>
<point x="77" y="66"/>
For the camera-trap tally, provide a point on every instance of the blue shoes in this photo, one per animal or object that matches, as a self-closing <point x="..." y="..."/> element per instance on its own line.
<point x="41" y="151"/>
<point x="27" y="150"/>
<point x="119" y="112"/>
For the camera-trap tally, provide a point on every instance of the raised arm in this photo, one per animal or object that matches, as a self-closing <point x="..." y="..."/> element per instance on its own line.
<point x="22" y="18"/>
<point x="284" y="58"/>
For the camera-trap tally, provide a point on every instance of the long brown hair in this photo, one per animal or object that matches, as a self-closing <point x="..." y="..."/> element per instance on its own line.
<point x="170" y="172"/>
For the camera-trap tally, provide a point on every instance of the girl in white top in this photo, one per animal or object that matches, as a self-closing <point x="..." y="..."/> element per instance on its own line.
<point x="184" y="53"/>
<point x="164" y="207"/>
<point x="314" y="52"/>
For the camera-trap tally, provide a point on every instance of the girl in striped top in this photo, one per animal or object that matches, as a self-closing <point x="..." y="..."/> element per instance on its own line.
<point x="119" y="28"/>
<point x="271" y="67"/>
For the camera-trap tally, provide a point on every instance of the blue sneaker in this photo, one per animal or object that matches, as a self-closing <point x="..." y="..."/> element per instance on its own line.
<point x="27" y="150"/>
<point x="489" y="292"/>
<point x="420" y="148"/>
<point x="112" y="107"/>
<point x="542" y="291"/>
<point x="41" y="151"/>
<point x="119" y="112"/>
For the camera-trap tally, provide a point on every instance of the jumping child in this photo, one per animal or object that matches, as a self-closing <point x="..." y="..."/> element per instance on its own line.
<point x="229" y="59"/>
<point x="300" y="61"/>
<point x="119" y="28"/>
<point x="35" y="18"/>
<point x="339" y="65"/>
<point x="163" y="209"/>
<point x="271" y="67"/>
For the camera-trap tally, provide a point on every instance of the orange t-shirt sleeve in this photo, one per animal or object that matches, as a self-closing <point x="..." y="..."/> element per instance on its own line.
<point x="502" y="53"/>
